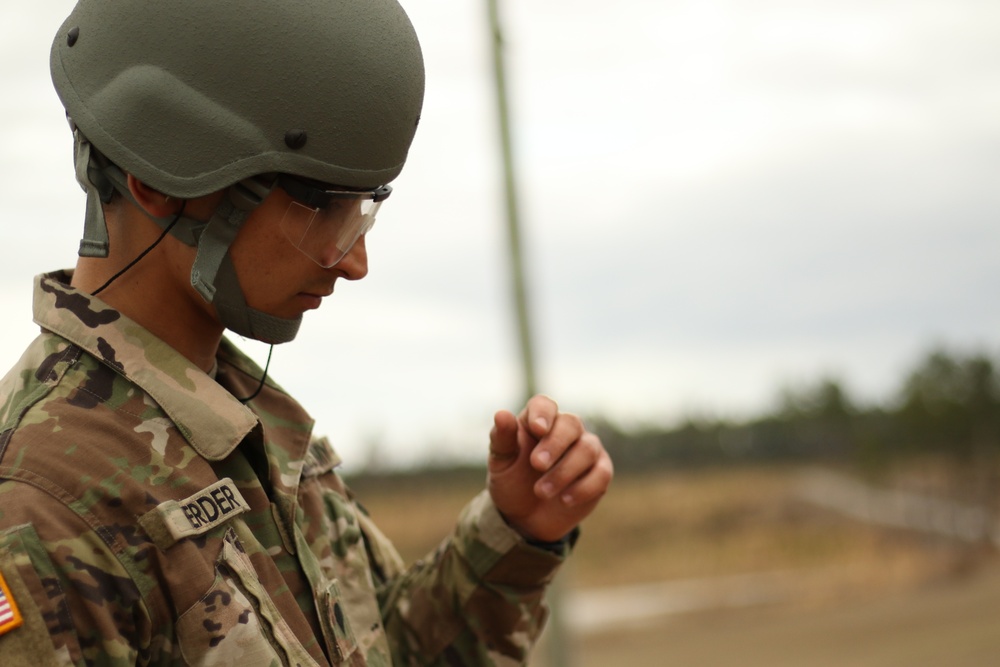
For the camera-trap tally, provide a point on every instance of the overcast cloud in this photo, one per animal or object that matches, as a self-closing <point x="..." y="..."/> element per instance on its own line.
<point x="719" y="198"/>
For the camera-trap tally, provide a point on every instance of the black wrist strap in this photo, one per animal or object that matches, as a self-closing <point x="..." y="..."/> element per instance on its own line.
<point x="559" y="546"/>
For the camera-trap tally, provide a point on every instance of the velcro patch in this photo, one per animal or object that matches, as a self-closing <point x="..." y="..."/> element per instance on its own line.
<point x="10" y="617"/>
<point x="174" y="520"/>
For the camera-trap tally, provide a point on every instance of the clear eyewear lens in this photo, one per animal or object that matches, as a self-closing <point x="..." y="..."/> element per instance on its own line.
<point x="326" y="234"/>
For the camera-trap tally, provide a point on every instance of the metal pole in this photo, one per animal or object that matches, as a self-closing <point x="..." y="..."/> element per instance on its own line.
<point x="558" y="644"/>
<point x="510" y="192"/>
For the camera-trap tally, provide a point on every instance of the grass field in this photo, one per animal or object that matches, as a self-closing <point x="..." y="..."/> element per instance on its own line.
<point x="850" y="593"/>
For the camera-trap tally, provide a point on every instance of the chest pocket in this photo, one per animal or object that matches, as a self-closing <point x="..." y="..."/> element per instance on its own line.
<point x="235" y="622"/>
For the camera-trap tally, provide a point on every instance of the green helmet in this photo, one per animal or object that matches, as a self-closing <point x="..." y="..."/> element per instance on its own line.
<point x="192" y="97"/>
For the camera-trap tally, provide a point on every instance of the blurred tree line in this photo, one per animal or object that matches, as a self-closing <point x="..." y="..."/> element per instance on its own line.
<point x="942" y="424"/>
<point x="947" y="407"/>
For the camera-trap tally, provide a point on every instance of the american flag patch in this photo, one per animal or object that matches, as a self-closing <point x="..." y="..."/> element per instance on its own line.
<point x="10" y="618"/>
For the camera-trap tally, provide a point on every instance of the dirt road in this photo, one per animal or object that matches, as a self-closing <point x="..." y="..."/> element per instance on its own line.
<point x="954" y="623"/>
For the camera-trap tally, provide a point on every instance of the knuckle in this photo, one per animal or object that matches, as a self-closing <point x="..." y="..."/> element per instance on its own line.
<point x="606" y="469"/>
<point x="571" y="425"/>
<point x="542" y="401"/>
<point x="592" y="443"/>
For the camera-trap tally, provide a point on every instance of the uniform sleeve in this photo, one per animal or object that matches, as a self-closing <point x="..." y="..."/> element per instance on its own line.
<point x="78" y="605"/>
<point x="477" y="600"/>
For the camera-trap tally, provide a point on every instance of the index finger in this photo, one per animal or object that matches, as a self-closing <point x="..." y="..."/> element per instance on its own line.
<point x="539" y="415"/>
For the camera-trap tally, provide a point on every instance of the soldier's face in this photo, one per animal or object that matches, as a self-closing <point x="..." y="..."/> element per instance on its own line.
<point x="275" y="276"/>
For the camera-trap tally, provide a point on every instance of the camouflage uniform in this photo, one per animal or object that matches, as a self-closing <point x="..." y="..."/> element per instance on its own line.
<point x="148" y="517"/>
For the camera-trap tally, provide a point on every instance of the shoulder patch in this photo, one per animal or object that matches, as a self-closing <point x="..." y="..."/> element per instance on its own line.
<point x="320" y="458"/>
<point x="174" y="520"/>
<point x="10" y="617"/>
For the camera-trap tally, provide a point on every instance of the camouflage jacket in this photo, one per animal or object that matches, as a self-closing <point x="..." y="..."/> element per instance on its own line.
<point x="148" y="517"/>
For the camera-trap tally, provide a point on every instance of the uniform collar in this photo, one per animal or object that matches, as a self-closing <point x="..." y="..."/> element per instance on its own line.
<point x="208" y="416"/>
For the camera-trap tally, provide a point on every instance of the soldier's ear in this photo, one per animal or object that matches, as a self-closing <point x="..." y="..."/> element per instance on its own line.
<point x="154" y="202"/>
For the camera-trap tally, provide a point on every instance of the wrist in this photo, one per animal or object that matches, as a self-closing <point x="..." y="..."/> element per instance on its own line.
<point x="560" y="546"/>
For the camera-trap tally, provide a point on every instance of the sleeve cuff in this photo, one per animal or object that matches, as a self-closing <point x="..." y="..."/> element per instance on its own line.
<point x="499" y="554"/>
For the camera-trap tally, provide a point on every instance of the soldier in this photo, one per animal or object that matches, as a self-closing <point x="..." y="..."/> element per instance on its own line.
<point x="162" y="502"/>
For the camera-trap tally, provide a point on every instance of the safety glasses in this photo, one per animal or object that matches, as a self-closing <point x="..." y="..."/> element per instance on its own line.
<point x="325" y="224"/>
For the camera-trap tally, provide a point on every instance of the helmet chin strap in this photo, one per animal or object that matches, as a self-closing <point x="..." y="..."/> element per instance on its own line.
<point x="212" y="275"/>
<point x="244" y="320"/>
<point x="99" y="189"/>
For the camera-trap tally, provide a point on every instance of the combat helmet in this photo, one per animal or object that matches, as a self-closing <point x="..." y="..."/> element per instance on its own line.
<point x="193" y="97"/>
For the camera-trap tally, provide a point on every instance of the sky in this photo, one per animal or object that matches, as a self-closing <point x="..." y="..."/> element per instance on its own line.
<point x="719" y="199"/>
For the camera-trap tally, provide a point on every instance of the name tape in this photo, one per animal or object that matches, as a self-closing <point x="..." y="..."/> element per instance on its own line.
<point x="200" y="512"/>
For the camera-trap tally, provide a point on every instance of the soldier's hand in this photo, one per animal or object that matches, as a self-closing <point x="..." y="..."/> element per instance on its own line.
<point x="546" y="471"/>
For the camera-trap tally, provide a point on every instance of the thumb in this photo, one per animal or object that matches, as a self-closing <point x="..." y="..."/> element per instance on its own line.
<point x="504" y="449"/>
